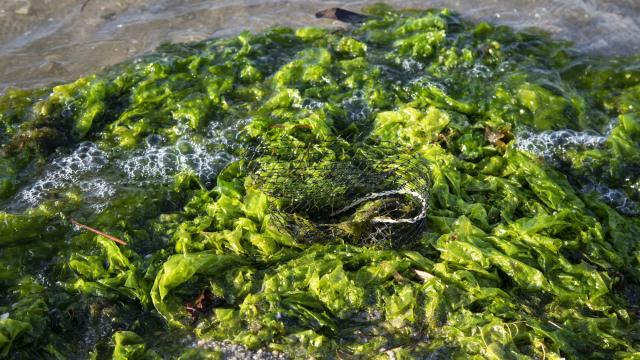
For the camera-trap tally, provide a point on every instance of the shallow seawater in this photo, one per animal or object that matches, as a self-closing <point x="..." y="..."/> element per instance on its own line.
<point x="43" y="41"/>
<point x="531" y="178"/>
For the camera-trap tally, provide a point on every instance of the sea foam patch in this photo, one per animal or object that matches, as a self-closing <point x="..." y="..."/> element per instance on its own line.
<point x="161" y="163"/>
<point x="550" y="144"/>
<point x="67" y="171"/>
<point x="205" y="157"/>
<point x="98" y="174"/>
<point x="356" y="106"/>
<point x="615" y="198"/>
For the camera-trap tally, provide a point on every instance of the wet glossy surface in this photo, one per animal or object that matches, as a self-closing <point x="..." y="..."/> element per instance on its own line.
<point x="45" y="41"/>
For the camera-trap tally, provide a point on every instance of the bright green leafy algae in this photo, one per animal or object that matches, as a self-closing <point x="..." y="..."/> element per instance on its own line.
<point x="531" y="245"/>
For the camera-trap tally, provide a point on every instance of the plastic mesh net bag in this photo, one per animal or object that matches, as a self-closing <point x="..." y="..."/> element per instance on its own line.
<point x="366" y="194"/>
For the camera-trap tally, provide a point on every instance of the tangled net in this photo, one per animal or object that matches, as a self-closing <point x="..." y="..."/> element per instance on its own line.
<point x="372" y="195"/>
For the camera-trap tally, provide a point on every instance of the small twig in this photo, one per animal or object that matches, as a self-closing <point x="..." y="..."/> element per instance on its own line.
<point x="95" y="231"/>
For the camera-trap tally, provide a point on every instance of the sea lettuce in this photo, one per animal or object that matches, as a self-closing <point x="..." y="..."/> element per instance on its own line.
<point x="530" y="244"/>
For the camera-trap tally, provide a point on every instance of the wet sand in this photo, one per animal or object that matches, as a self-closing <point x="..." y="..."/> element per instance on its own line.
<point x="51" y="41"/>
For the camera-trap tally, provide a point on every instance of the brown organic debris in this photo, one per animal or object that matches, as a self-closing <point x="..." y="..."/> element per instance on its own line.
<point x="498" y="137"/>
<point x="341" y="15"/>
<point x="204" y="302"/>
<point x="98" y="232"/>
<point x="45" y="139"/>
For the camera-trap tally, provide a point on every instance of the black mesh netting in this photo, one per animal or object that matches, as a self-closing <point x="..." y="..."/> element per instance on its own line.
<point x="364" y="194"/>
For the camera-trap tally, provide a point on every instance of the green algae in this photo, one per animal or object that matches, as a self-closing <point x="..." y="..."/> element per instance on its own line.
<point x="526" y="253"/>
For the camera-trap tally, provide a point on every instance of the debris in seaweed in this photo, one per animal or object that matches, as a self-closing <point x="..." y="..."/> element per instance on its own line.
<point x="341" y="15"/>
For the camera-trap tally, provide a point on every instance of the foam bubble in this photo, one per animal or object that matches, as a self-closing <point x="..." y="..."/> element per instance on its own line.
<point x="98" y="175"/>
<point x="357" y="107"/>
<point x="480" y="71"/>
<point x="161" y="163"/>
<point x="97" y="188"/>
<point x="635" y="187"/>
<point x="426" y="81"/>
<point x="616" y="198"/>
<point x="227" y="137"/>
<point x="549" y="144"/>
<point x="63" y="172"/>
<point x="411" y="66"/>
<point x="312" y="104"/>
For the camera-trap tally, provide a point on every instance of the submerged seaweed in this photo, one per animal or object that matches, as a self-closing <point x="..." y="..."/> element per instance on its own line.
<point x="530" y="247"/>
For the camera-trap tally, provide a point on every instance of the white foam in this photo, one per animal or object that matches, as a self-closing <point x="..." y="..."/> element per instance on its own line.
<point x="634" y="187"/>
<point x="228" y="137"/>
<point x="480" y="71"/>
<point x="64" y="171"/>
<point x="412" y="66"/>
<point x="97" y="175"/>
<point x="311" y="104"/>
<point x="97" y="188"/>
<point x="161" y="163"/>
<point x="357" y="107"/>
<point x="548" y="144"/>
<point x="553" y="144"/>
<point x="616" y="198"/>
